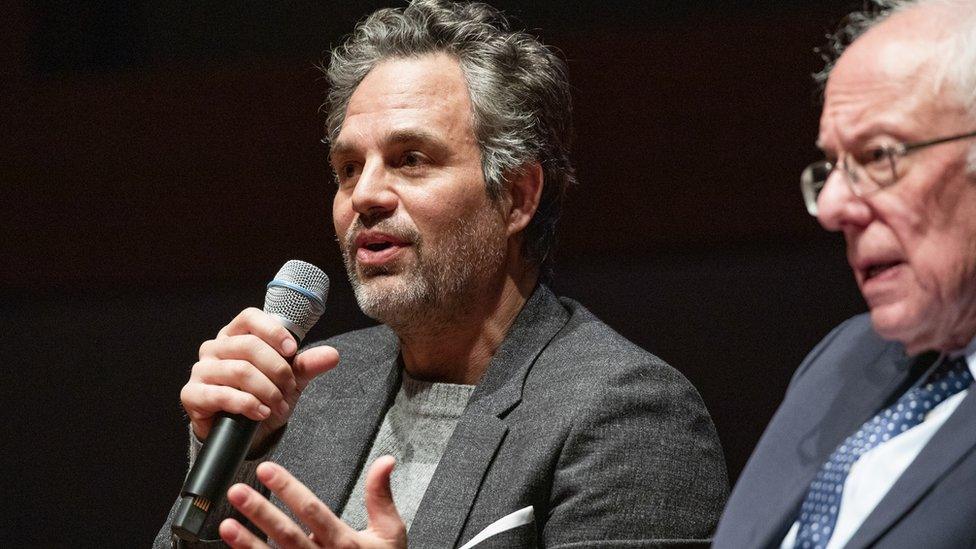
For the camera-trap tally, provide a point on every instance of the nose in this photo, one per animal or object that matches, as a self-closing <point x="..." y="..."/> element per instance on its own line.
<point x="838" y="206"/>
<point x="374" y="195"/>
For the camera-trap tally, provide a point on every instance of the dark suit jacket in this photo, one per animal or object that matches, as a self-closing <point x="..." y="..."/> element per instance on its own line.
<point x="842" y="383"/>
<point x="604" y="440"/>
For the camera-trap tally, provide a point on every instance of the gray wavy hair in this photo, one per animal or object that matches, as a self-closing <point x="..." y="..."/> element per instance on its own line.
<point x="519" y="91"/>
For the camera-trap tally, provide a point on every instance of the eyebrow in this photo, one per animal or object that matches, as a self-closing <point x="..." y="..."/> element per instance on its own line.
<point x="433" y="143"/>
<point x="338" y="148"/>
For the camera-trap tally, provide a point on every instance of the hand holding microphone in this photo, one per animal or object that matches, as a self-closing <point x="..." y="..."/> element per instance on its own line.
<point x="245" y="370"/>
<point x="249" y="374"/>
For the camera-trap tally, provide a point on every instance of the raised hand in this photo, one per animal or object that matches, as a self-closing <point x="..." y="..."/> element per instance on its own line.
<point x="385" y="529"/>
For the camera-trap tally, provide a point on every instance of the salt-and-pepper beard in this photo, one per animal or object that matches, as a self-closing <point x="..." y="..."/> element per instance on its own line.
<point x="435" y="286"/>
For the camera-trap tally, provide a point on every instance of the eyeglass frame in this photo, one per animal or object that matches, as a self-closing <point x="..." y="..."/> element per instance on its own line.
<point x="808" y="185"/>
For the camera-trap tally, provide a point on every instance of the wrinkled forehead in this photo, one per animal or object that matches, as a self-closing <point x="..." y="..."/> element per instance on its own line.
<point x="888" y="81"/>
<point x="894" y="52"/>
<point x="415" y="101"/>
<point x="433" y="74"/>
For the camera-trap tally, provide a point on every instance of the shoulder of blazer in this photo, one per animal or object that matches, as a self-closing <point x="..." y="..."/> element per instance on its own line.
<point x="855" y="331"/>
<point x="361" y="350"/>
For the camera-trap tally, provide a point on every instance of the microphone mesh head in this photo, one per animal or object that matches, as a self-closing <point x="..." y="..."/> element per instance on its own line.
<point x="297" y="296"/>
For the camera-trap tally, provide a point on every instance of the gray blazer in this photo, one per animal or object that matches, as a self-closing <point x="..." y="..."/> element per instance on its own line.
<point x="842" y="383"/>
<point x="608" y="444"/>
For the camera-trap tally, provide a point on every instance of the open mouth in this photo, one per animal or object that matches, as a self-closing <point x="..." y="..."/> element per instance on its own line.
<point x="376" y="241"/>
<point x="879" y="268"/>
<point x="374" y="248"/>
<point x="378" y="246"/>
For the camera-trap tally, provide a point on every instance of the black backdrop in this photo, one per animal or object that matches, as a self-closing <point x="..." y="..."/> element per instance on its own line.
<point x="161" y="160"/>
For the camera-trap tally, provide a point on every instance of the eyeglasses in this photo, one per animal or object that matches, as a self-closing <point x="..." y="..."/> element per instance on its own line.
<point x="876" y="170"/>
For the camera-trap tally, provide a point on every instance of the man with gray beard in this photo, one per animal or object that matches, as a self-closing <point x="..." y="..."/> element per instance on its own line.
<point x="515" y="418"/>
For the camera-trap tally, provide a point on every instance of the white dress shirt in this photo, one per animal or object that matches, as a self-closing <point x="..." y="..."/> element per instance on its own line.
<point x="876" y="471"/>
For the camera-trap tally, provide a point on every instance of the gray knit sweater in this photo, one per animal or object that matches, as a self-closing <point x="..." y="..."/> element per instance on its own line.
<point x="415" y="431"/>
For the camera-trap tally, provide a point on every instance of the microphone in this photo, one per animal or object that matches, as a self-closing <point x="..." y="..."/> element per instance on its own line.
<point x="296" y="297"/>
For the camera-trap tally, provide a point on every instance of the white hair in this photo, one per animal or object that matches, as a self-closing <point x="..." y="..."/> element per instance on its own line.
<point x="952" y="61"/>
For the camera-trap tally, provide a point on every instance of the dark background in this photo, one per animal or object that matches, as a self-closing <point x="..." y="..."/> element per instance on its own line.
<point x="161" y="160"/>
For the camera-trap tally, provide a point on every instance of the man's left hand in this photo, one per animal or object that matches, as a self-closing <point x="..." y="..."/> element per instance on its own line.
<point x="385" y="528"/>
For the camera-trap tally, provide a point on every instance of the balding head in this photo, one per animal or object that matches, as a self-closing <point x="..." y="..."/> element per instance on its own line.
<point x="907" y="210"/>
<point x="937" y="35"/>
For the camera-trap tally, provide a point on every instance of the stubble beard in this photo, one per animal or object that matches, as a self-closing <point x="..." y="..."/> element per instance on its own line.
<point x="436" y="286"/>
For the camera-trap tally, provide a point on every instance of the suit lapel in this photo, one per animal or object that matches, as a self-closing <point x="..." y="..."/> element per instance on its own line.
<point x="452" y="491"/>
<point x="952" y="442"/>
<point x="844" y="403"/>
<point x="352" y="413"/>
<point x="353" y="444"/>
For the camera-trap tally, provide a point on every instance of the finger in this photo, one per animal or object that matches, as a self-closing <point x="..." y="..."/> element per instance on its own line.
<point x="237" y="536"/>
<point x="383" y="518"/>
<point x="202" y="401"/>
<point x="271" y="520"/>
<point x="251" y="348"/>
<point x="312" y="362"/>
<point x="268" y="328"/>
<point x="325" y="526"/>
<point x="240" y="374"/>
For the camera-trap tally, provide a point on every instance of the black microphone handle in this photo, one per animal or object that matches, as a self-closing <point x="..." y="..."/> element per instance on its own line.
<point x="214" y="469"/>
<point x="212" y="472"/>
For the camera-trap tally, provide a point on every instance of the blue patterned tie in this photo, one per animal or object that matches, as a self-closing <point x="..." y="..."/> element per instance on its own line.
<point x="818" y="514"/>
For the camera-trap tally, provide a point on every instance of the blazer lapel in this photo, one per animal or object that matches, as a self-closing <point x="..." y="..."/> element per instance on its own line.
<point x="444" y="509"/>
<point x="452" y="490"/>
<point x="844" y="403"/>
<point x="352" y="413"/>
<point x="953" y="441"/>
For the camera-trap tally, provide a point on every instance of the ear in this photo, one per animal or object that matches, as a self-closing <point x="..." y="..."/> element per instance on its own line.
<point x="524" y="190"/>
